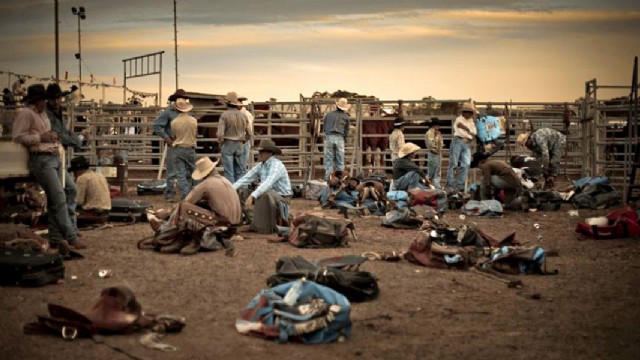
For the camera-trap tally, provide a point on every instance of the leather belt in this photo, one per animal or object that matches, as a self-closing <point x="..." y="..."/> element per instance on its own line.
<point x="185" y="147"/>
<point x="464" y="139"/>
<point x="50" y="153"/>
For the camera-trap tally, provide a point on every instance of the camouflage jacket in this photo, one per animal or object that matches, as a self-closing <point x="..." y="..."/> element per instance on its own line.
<point x="544" y="142"/>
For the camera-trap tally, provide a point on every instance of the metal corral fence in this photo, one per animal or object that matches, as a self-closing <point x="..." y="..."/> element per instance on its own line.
<point x="296" y="127"/>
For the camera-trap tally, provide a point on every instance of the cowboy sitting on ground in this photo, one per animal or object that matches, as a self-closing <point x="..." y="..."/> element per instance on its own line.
<point x="406" y="174"/>
<point x="547" y="145"/>
<point x="273" y="195"/>
<point x="211" y="208"/>
<point x="498" y="175"/>
<point x="93" y="196"/>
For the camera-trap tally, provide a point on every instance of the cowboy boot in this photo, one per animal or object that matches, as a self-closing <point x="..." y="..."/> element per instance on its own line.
<point x="174" y="247"/>
<point x="191" y="248"/>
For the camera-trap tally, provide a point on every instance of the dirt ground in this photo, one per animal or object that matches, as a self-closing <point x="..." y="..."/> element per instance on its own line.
<point x="590" y="310"/>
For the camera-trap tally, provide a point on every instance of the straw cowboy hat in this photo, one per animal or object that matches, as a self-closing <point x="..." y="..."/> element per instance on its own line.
<point x="399" y="122"/>
<point x="522" y="139"/>
<point x="35" y="92"/>
<point x="469" y="107"/>
<point x="183" y="105"/>
<point x="204" y="166"/>
<point x="179" y="94"/>
<point x="233" y="99"/>
<point x="343" y="104"/>
<point x="270" y="146"/>
<point x="408" y="149"/>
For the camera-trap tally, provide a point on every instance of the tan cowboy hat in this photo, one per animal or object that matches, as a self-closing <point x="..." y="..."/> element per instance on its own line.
<point x="204" y="166"/>
<point x="408" y="149"/>
<point x="183" y="105"/>
<point x="270" y="146"/>
<point x="522" y="139"/>
<point x="343" y="104"/>
<point x="469" y="106"/>
<point x="233" y="99"/>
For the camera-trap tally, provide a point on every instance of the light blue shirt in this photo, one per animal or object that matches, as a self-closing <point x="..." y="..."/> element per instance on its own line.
<point x="272" y="175"/>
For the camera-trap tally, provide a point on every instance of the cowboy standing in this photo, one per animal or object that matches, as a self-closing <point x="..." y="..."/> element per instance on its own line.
<point x="464" y="131"/>
<point x="547" y="145"/>
<point x="32" y="129"/>
<point x="273" y="196"/>
<point x="396" y="139"/>
<point x="212" y="205"/>
<point x="233" y="132"/>
<point x="434" y="142"/>
<point x="336" y="130"/>
<point x="162" y="128"/>
<point x="498" y="175"/>
<point x="93" y="196"/>
<point x="406" y="174"/>
<point x="184" y="129"/>
<point x="17" y="88"/>
<point x="249" y="143"/>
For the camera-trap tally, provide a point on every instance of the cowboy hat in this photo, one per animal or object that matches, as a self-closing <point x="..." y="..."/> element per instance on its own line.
<point x="398" y="122"/>
<point x="408" y="149"/>
<point x="522" y="139"/>
<point x="270" y="146"/>
<point x="343" y="104"/>
<point x="469" y="107"/>
<point x="74" y="88"/>
<point x="79" y="163"/>
<point x="183" y="105"/>
<point x="179" y="94"/>
<point x="435" y="122"/>
<point x="233" y="99"/>
<point x="204" y="166"/>
<point x="35" y="92"/>
<point x="54" y="91"/>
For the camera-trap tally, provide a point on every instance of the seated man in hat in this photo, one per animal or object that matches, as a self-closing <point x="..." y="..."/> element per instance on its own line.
<point x="273" y="195"/>
<point x="396" y="139"/>
<point x="548" y="147"/>
<point x="434" y="142"/>
<point x="406" y="174"/>
<point x="207" y="218"/>
<point x="93" y="198"/>
<point x="32" y="128"/>
<point x="498" y="175"/>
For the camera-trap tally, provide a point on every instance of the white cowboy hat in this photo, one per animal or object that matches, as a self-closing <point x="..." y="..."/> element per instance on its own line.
<point x="469" y="106"/>
<point x="204" y="166"/>
<point x="183" y="105"/>
<point x="343" y="104"/>
<point x="522" y="139"/>
<point x="233" y="99"/>
<point x="408" y="149"/>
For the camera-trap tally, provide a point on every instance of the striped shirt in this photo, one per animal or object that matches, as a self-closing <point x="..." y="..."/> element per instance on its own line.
<point x="272" y="175"/>
<point x="222" y="198"/>
<point x="462" y="133"/>
<point x="27" y="128"/>
<point x="233" y="125"/>
<point x="93" y="191"/>
<point x="184" y="127"/>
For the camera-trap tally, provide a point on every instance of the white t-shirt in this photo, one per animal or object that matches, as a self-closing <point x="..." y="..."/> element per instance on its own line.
<point x="469" y="135"/>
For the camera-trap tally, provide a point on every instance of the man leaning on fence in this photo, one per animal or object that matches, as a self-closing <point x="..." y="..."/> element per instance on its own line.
<point x="162" y="128"/>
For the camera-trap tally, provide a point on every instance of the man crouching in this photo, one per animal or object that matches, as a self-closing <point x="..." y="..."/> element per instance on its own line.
<point x="207" y="218"/>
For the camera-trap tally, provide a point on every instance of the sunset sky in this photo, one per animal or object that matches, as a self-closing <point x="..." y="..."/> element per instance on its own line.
<point x="495" y="50"/>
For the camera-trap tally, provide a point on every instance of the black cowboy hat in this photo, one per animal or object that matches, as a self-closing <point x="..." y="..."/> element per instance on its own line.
<point x="398" y="122"/>
<point x="35" y="92"/>
<point x="435" y="122"/>
<point x="54" y="91"/>
<point x="179" y="94"/>
<point x="74" y="88"/>
<point x="79" y="163"/>
<point x="270" y="146"/>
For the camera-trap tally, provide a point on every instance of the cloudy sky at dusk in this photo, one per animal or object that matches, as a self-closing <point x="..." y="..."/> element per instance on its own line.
<point x="488" y="50"/>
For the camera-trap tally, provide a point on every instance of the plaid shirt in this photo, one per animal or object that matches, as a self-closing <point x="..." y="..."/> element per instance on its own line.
<point x="272" y="175"/>
<point x="93" y="192"/>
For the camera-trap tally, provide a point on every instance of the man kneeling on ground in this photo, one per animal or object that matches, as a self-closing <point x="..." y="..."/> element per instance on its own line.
<point x="273" y="195"/>
<point x="207" y="218"/>
<point x="93" y="196"/>
<point x="499" y="176"/>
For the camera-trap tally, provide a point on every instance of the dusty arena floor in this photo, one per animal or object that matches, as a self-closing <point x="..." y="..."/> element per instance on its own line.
<point x="590" y="310"/>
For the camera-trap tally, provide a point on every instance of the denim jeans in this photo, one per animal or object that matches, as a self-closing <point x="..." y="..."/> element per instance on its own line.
<point x="233" y="160"/>
<point x="185" y="163"/>
<point x="410" y="180"/>
<point x="333" y="154"/>
<point x="170" y="164"/>
<point x="460" y="152"/>
<point x="434" y="171"/>
<point x="46" y="170"/>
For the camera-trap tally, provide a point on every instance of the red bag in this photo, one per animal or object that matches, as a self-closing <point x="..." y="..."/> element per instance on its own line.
<point x="623" y="223"/>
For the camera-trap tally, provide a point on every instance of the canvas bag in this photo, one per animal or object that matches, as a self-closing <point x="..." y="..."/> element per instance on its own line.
<point x="398" y="197"/>
<point x="434" y="198"/>
<point x="425" y="252"/>
<point x="313" y="189"/>
<point x="487" y="208"/>
<point x="401" y="218"/>
<point x="622" y="223"/>
<point x="597" y="196"/>
<point x="518" y="260"/>
<point x="317" y="231"/>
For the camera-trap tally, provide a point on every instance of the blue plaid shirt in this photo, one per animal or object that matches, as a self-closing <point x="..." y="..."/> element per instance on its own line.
<point x="272" y="175"/>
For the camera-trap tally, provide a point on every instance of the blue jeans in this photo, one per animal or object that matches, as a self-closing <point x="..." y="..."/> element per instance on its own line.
<point x="170" y="164"/>
<point x="233" y="160"/>
<point x="333" y="153"/>
<point x="410" y="180"/>
<point x="185" y="163"/>
<point x="434" y="171"/>
<point x="60" y="207"/>
<point x="460" y="152"/>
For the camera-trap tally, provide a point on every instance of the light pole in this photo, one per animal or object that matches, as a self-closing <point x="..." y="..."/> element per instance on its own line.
<point x="79" y="12"/>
